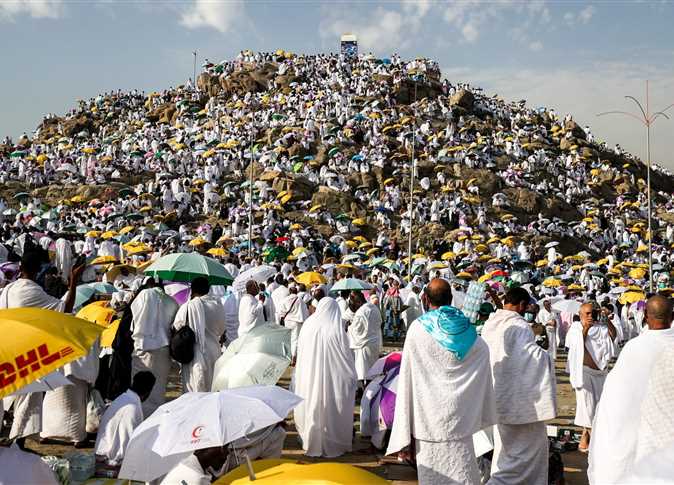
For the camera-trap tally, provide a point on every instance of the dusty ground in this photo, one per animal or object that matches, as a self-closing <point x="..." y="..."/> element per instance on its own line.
<point x="575" y="463"/>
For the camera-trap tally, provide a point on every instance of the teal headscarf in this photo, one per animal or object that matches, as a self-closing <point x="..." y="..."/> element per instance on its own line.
<point x="451" y="329"/>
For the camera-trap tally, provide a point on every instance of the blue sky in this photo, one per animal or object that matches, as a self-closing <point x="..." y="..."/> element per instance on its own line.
<point x="577" y="57"/>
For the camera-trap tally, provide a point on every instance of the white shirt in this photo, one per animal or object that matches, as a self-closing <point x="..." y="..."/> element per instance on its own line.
<point x="116" y="427"/>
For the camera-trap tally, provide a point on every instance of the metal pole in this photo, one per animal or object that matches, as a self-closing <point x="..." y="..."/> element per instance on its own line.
<point x="409" y="209"/>
<point x="250" y="201"/>
<point x="650" y="230"/>
<point x="194" y="72"/>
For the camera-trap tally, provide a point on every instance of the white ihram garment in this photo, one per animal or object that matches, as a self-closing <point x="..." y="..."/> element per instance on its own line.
<point x="205" y="316"/>
<point x="153" y="313"/>
<point x="295" y="312"/>
<point x="250" y="314"/>
<point x="587" y="382"/>
<point x="325" y="377"/>
<point x="525" y="390"/>
<point x="116" y="427"/>
<point x="365" y="338"/>
<point x="613" y="447"/>
<point x="441" y="402"/>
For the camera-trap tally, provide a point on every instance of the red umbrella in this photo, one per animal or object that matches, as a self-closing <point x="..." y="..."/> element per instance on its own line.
<point x="282" y="239"/>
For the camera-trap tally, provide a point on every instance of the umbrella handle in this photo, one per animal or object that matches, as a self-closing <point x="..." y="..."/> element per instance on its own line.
<point x="249" y="465"/>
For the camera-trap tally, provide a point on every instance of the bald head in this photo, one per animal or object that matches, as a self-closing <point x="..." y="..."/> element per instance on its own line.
<point x="439" y="293"/>
<point x="659" y="312"/>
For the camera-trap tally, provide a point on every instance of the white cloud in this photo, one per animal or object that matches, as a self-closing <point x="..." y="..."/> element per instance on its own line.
<point x="384" y="30"/>
<point x="470" y="32"/>
<point x="583" y="91"/>
<point x="582" y="17"/>
<point x="10" y="9"/>
<point x="221" y="16"/>
<point x="586" y="14"/>
<point x="536" y="46"/>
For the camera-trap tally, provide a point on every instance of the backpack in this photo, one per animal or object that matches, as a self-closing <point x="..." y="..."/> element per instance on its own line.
<point x="181" y="346"/>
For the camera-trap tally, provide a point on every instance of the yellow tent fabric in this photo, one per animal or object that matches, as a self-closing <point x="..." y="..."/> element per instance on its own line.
<point x="41" y="342"/>
<point x="291" y="472"/>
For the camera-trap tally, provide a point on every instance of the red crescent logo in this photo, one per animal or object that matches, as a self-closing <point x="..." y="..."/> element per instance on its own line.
<point x="196" y="432"/>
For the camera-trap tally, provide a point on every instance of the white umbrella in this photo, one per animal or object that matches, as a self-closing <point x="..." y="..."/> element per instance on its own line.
<point x="259" y="273"/>
<point x="618" y="289"/>
<point x="67" y="167"/>
<point x="259" y="357"/>
<point x="551" y="244"/>
<point x="198" y="420"/>
<point x="567" y="306"/>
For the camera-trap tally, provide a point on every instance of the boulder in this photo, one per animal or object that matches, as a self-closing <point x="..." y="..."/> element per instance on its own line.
<point x="524" y="200"/>
<point x="333" y="201"/>
<point x="462" y="98"/>
<point x="301" y="187"/>
<point x="77" y="124"/>
<point x="208" y="84"/>
<point x="488" y="182"/>
<point x="405" y="93"/>
<point x="575" y="129"/>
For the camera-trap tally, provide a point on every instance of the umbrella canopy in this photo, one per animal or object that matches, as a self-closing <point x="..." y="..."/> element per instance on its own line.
<point x="41" y="342"/>
<point x="351" y="284"/>
<point x="259" y="357"/>
<point x="631" y="297"/>
<point x="299" y="473"/>
<point x="259" y="273"/>
<point x="87" y="290"/>
<point x="47" y="383"/>
<point x="311" y="278"/>
<point x="567" y="306"/>
<point x="188" y="266"/>
<point x="198" y="420"/>
<point x="179" y="291"/>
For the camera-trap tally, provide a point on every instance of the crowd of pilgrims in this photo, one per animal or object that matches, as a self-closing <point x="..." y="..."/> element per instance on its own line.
<point x="468" y="363"/>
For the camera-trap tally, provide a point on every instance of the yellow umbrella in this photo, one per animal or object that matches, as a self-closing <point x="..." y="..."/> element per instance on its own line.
<point x="93" y="234"/>
<point x="126" y="229"/>
<point x="286" y="198"/>
<point x="481" y="248"/>
<point x="484" y="278"/>
<point x="316" y="208"/>
<point x="218" y="252"/>
<point x="298" y="251"/>
<point x="41" y="342"/>
<point x="389" y="181"/>
<point x="109" y="334"/>
<point x="364" y="245"/>
<point x="88" y="150"/>
<point x="290" y="472"/>
<point x="631" y="297"/>
<point x="114" y="271"/>
<point x="447" y="256"/>
<point x="78" y="199"/>
<point x="637" y="273"/>
<point x="142" y="249"/>
<point x="552" y="283"/>
<point x="311" y="278"/>
<point x="541" y="262"/>
<point x="109" y="234"/>
<point x="464" y="275"/>
<point x="146" y="208"/>
<point x="351" y="244"/>
<point x="104" y="260"/>
<point x="576" y="287"/>
<point x="371" y="251"/>
<point x="358" y="222"/>
<point x="360" y="239"/>
<point x="197" y="241"/>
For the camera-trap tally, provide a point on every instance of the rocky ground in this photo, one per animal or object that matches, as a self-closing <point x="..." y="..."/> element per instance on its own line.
<point x="575" y="463"/>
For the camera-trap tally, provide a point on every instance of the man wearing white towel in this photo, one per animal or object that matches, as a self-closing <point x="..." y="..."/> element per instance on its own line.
<point x="444" y="393"/>
<point x="591" y="347"/>
<point x="525" y="391"/>
<point x="613" y="449"/>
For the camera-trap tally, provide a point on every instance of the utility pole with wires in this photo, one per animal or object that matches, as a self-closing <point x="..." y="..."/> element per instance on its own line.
<point x="647" y="118"/>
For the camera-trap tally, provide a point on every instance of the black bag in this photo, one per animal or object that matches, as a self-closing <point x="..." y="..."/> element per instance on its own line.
<point x="282" y="320"/>
<point x="181" y="346"/>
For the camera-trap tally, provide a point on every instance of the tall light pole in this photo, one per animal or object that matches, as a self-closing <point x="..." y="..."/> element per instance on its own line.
<point x="647" y="118"/>
<point x="194" y="71"/>
<point x="250" y="200"/>
<point x="413" y="167"/>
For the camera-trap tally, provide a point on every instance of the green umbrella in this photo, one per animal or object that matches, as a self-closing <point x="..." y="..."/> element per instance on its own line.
<point x="125" y="191"/>
<point x="351" y="284"/>
<point x="377" y="261"/>
<point x="17" y="154"/>
<point x="297" y="167"/>
<point x="21" y="195"/>
<point x="188" y="266"/>
<point x="333" y="151"/>
<point x="135" y="216"/>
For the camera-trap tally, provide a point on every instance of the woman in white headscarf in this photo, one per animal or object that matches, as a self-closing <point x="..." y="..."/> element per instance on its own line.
<point x="325" y="377"/>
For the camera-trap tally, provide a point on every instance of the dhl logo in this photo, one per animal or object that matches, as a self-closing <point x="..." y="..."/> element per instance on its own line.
<point x="32" y="361"/>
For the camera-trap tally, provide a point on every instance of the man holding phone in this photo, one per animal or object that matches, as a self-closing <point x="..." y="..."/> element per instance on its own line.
<point x="591" y="344"/>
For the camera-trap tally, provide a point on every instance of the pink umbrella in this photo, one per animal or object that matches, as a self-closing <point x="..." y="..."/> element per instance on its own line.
<point x="180" y="292"/>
